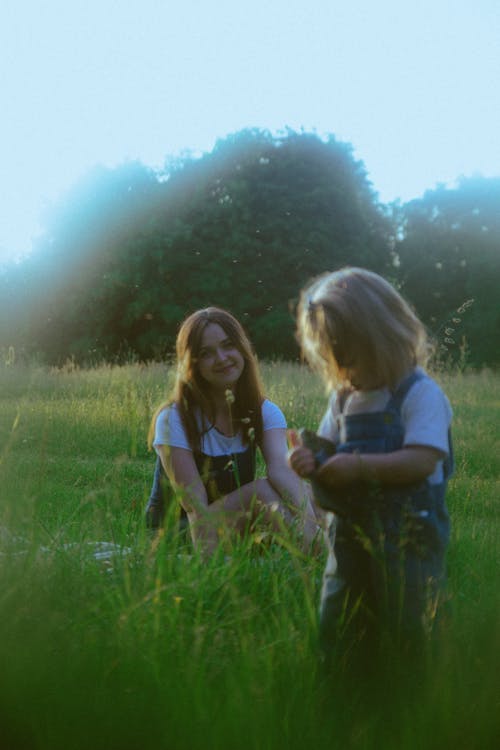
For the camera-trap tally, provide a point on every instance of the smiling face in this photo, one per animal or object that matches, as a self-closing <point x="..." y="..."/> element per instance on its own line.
<point x="219" y="362"/>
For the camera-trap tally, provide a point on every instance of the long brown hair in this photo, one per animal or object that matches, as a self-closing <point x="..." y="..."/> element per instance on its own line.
<point x="354" y="327"/>
<point x="190" y="392"/>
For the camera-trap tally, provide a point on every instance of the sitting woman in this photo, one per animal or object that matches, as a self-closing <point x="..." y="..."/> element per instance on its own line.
<point x="206" y="436"/>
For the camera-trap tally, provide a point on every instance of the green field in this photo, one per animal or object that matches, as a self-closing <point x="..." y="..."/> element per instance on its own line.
<point x="154" y="648"/>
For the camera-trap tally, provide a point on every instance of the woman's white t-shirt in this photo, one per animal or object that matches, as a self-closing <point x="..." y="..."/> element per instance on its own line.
<point x="170" y="431"/>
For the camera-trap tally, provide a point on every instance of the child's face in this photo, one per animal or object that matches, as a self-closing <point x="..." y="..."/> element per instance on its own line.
<point x="219" y="362"/>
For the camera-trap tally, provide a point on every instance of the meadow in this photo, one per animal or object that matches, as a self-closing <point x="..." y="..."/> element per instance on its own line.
<point x="152" y="647"/>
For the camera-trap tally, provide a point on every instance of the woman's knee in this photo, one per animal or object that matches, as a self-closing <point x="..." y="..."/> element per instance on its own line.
<point x="263" y="488"/>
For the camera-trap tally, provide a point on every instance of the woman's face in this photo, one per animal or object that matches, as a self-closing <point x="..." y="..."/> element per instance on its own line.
<point x="219" y="362"/>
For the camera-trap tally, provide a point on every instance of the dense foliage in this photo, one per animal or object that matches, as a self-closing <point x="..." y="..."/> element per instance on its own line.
<point x="449" y="259"/>
<point x="129" y="252"/>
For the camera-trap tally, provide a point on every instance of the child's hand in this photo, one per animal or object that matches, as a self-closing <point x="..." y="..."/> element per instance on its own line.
<point x="301" y="459"/>
<point x="341" y="469"/>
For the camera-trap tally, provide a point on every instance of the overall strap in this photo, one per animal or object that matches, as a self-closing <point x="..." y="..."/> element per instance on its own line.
<point x="342" y="398"/>
<point x="402" y="389"/>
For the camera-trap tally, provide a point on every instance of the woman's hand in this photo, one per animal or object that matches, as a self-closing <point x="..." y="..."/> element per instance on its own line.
<point x="302" y="461"/>
<point x="300" y="458"/>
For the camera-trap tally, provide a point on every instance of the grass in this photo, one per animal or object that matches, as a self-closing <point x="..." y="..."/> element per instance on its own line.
<point x="158" y="649"/>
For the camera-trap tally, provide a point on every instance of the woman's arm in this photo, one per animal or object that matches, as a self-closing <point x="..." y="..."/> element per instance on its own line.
<point x="293" y="491"/>
<point x="181" y="469"/>
<point x="285" y="482"/>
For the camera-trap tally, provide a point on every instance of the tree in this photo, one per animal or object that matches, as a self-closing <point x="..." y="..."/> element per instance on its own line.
<point x="259" y="204"/>
<point x="449" y="254"/>
<point x="75" y="281"/>
<point x="128" y="253"/>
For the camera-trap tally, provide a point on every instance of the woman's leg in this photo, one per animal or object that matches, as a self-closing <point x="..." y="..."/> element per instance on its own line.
<point x="258" y="500"/>
<point x="155" y="509"/>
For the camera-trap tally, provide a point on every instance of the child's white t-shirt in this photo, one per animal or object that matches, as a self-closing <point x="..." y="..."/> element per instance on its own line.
<point x="425" y="413"/>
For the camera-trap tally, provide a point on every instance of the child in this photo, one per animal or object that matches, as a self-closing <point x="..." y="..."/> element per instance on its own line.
<point x="386" y="480"/>
<point x="206" y="437"/>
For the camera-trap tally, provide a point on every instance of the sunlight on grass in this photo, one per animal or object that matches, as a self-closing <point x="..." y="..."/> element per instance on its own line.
<point x="149" y="646"/>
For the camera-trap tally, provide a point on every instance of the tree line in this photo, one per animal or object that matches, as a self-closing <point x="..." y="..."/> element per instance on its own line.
<point x="129" y="251"/>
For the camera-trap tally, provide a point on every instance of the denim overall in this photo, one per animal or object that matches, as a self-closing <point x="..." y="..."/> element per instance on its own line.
<point x="220" y="475"/>
<point x="388" y="542"/>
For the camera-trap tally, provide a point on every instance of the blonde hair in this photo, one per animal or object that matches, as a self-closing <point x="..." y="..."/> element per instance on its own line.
<point x="357" y="330"/>
<point x="190" y="392"/>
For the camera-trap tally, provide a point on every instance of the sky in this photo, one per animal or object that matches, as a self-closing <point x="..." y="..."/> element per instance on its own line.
<point x="413" y="87"/>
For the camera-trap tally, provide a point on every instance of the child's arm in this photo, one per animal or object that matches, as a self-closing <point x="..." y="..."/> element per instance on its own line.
<point x="411" y="464"/>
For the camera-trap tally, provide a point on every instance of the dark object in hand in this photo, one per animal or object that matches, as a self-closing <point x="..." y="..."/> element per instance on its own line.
<point x="320" y="447"/>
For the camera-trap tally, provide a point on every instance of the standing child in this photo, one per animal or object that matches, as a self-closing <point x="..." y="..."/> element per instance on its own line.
<point x="384" y="486"/>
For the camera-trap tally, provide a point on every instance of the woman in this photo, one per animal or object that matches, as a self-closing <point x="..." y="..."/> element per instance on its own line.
<point x="206" y="437"/>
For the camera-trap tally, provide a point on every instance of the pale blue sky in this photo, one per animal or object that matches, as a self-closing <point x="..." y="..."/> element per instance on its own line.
<point x="412" y="86"/>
